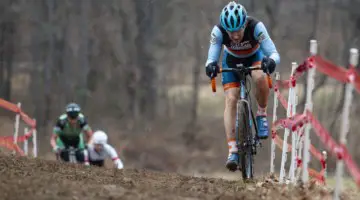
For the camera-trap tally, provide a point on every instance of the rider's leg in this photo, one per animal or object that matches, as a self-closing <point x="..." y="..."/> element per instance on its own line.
<point x="231" y="97"/>
<point x="80" y="155"/>
<point x="231" y="88"/>
<point x="262" y="92"/>
<point x="62" y="154"/>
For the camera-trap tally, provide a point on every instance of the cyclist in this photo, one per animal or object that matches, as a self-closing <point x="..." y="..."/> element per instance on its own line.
<point x="99" y="149"/>
<point x="246" y="41"/>
<point x="68" y="132"/>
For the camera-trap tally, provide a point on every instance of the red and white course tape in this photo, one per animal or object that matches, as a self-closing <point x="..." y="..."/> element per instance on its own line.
<point x="299" y="125"/>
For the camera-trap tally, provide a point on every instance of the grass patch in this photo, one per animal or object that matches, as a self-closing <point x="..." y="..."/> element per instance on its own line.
<point x="210" y="104"/>
<point x="349" y="183"/>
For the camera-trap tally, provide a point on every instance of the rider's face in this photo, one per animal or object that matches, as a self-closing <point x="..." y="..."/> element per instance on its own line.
<point x="72" y="121"/>
<point x="98" y="147"/>
<point x="237" y="36"/>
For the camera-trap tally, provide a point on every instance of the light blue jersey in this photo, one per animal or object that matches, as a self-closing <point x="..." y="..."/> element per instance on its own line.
<point x="256" y="38"/>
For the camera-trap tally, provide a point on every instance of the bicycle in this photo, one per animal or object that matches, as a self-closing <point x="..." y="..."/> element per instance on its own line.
<point x="247" y="143"/>
<point x="72" y="154"/>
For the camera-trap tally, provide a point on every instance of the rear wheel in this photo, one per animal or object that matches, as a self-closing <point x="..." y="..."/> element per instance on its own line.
<point x="245" y="140"/>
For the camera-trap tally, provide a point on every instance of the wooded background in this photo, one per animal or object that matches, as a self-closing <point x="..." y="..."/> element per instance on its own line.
<point x="136" y="67"/>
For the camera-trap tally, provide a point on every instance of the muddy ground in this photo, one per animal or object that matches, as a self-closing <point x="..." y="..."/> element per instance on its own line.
<point x="30" y="179"/>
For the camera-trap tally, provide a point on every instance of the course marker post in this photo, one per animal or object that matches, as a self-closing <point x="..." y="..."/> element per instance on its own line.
<point x="308" y="107"/>
<point x="289" y="113"/>
<point x="273" y="145"/>
<point x="294" y="134"/>
<point x="17" y="124"/>
<point x="354" y="57"/>
<point x="26" y="142"/>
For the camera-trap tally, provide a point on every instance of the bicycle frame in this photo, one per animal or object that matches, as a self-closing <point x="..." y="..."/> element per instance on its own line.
<point x="249" y="142"/>
<point x="72" y="154"/>
<point x="242" y="72"/>
<point x="245" y="98"/>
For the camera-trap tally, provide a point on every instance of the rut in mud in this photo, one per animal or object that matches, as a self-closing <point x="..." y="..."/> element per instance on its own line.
<point x="25" y="178"/>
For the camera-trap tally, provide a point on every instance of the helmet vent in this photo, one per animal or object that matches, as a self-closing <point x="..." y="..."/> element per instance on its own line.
<point x="238" y="19"/>
<point x="226" y="23"/>
<point x="232" y="22"/>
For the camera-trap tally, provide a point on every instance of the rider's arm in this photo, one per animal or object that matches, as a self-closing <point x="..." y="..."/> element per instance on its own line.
<point x="89" y="134"/>
<point x="266" y="43"/>
<point x="86" y="129"/>
<point x="215" y="45"/>
<point x="114" y="156"/>
<point x="56" y="131"/>
<point x="53" y="140"/>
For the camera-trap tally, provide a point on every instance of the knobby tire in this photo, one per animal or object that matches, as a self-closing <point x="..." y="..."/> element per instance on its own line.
<point x="244" y="135"/>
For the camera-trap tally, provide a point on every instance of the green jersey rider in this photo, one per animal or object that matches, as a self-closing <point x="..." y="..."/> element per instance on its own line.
<point x="68" y="132"/>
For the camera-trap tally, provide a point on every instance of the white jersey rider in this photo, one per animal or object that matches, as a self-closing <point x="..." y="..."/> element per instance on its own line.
<point x="99" y="149"/>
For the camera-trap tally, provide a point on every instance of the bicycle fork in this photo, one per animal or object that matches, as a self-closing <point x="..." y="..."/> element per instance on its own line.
<point x="72" y="155"/>
<point x="251" y="140"/>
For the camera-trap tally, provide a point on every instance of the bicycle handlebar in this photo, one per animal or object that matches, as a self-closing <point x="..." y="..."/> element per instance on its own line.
<point x="240" y="70"/>
<point x="71" y="149"/>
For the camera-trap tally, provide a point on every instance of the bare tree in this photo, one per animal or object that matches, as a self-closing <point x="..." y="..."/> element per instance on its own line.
<point x="146" y="91"/>
<point x="84" y="46"/>
<point x="7" y="29"/>
<point x="49" y="62"/>
<point x="272" y="10"/>
<point x="315" y="21"/>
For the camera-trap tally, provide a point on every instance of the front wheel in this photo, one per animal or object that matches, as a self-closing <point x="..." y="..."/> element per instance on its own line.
<point x="72" y="155"/>
<point x="245" y="140"/>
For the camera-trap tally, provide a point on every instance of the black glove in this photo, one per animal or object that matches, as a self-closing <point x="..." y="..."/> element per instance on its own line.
<point x="268" y="65"/>
<point x="212" y="69"/>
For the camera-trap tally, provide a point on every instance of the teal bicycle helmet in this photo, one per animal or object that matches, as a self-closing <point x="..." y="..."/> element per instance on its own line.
<point x="233" y="17"/>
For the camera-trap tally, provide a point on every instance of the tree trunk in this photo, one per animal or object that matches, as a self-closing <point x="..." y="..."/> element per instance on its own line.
<point x="271" y="9"/>
<point x="49" y="63"/>
<point x="85" y="6"/>
<point x="196" y="77"/>
<point x="316" y="14"/>
<point x="67" y="65"/>
<point x="6" y="56"/>
<point x="146" y="91"/>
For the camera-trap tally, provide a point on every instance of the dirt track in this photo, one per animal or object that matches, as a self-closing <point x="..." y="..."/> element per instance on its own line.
<point x="23" y="178"/>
